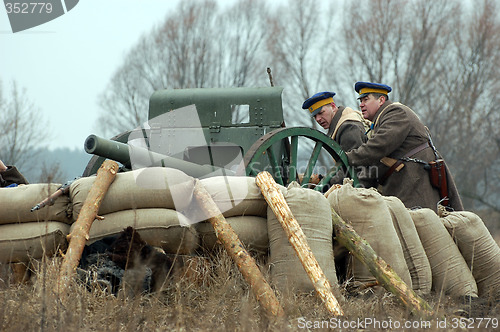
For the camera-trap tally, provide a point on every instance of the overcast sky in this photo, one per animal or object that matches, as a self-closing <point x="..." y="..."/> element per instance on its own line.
<point x="66" y="63"/>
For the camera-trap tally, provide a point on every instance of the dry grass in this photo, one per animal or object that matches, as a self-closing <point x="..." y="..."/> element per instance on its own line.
<point x="211" y="295"/>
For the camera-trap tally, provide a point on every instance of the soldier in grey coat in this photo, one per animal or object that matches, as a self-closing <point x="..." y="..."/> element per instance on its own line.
<point x="400" y="147"/>
<point x="345" y="126"/>
<point x="9" y="175"/>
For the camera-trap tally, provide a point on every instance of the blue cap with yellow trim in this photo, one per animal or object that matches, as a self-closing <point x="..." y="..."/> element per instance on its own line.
<point x="365" y="88"/>
<point x="320" y="99"/>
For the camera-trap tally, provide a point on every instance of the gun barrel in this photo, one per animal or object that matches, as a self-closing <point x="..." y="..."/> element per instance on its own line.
<point x="142" y="157"/>
<point x="109" y="149"/>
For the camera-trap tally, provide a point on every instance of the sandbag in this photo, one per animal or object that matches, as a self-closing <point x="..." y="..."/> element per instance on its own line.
<point x="450" y="273"/>
<point x="16" y="204"/>
<point x="251" y="230"/>
<point x="155" y="187"/>
<point x="163" y="228"/>
<point x="413" y="250"/>
<point x="237" y="195"/>
<point x="367" y="212"/>
<point x="31" y="240"/>
<point x="478" y="248"/>
<point x="312" y="211"/>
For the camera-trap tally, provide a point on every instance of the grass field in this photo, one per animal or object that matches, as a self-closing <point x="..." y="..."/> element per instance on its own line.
<point x="212" y="295"/>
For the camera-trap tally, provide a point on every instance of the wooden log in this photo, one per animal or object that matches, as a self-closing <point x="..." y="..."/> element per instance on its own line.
<point x="297" y="238"/>
<point x="245" y="263"/>
<point x="384" y="274"/>
<point x="80" y="234"/>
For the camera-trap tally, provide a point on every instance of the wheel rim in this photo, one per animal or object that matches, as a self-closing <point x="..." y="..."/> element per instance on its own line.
<point x="283" y="166"/>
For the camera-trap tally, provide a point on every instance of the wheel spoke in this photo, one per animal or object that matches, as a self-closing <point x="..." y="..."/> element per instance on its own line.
<point x="312" y="162"/>
<point x="274" y="165"/>
<point x="251" y="171"/>
<point x="293" y="158"/>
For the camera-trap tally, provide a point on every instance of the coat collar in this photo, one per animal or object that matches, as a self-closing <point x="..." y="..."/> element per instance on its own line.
<point x="335" y="120"/>
<point x="381" y="109"/>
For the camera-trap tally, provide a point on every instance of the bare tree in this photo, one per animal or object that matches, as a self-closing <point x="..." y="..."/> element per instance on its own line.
<point x="447" y="75"/>
<point x="23" y="127"/>
<point x="196" y="46"/>
<point x="466" y="121"/>
<point x="125" y="100"/>
<point x="51" y="173"/>
<point x="300" y="44"/>
<point x="239" y="54"/>
<point x="389" y="43"/>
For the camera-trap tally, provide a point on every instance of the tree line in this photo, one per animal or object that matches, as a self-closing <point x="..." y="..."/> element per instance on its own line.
<point x="440" y="57"/>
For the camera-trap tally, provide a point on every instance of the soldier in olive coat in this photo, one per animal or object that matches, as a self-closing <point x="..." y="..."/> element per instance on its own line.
<point x="345" y="126"/>
<point x="9" y="175"/>
<point x="401" y="147"/>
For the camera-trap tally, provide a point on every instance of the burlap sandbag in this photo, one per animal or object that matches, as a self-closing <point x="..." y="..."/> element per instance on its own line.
<point x="251" y="230"/>
<point x="237" y="195"/>
<point x="31" y="240"/>
<point x="16" y="204"/>
<point x="163" y="228"/>
<point x="312" y="211"/>
<point x="367" y="212"/>
<point x="413" y="250"/>
<point x="155" y="187"/>
<point x="450" y="273"/>
<point x="478" y="248"/>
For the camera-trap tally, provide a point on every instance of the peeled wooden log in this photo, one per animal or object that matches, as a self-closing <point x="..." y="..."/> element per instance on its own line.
<point x="384" y="274"/>
<point x="298" y="241"/>
<point x="80" y="234"/>
<point x="246" y="264"/>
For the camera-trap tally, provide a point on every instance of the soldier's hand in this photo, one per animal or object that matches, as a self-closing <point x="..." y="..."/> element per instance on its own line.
<point x="315" y="178"/>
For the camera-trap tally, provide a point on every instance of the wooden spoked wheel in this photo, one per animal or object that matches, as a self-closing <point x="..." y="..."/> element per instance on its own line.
<point x="278" y="153"/>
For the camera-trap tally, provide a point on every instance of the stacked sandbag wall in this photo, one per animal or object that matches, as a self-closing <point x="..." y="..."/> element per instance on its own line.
<point x="367" y="212"/>
<point x="312" y="212"/>
<point x="152" y="200"/>
<point x="240" y="201"/>
<point x="478" y="248"/>
<point x="450" y="273"/>
<point x="413" y="250"/>
<point x="26" y="235"/>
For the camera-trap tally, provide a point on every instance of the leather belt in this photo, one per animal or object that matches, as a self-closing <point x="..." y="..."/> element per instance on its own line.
<point x="391" y="170"/>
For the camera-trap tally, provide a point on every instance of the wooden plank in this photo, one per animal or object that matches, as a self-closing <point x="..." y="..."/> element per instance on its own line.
<point x="245" y="263"/>
<point x="385" y="275"/>
<point x="80" y="234"/>
<point x="297" y="239"/>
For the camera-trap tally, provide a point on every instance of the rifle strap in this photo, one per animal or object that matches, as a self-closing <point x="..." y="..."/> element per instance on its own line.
<point x="391" y="170"/>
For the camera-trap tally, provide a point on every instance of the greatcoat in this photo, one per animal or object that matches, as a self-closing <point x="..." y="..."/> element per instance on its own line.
<point x="348" y="130"/>
<point x="396" y="131"/>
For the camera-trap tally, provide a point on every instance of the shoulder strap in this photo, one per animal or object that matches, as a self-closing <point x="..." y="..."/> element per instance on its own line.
<point x="400" y="161"/>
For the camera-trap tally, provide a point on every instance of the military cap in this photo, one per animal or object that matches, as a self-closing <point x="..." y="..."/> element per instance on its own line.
<point x="365" y="88"/>
<point x="320" y="99"/>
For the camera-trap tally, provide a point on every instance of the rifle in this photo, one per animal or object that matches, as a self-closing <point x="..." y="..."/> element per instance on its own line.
<point x="64" y="189"/>
<point x="437" y="173"/>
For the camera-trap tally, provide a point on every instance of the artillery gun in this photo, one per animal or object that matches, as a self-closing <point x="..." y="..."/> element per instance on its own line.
<point x="214" y="131"/>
